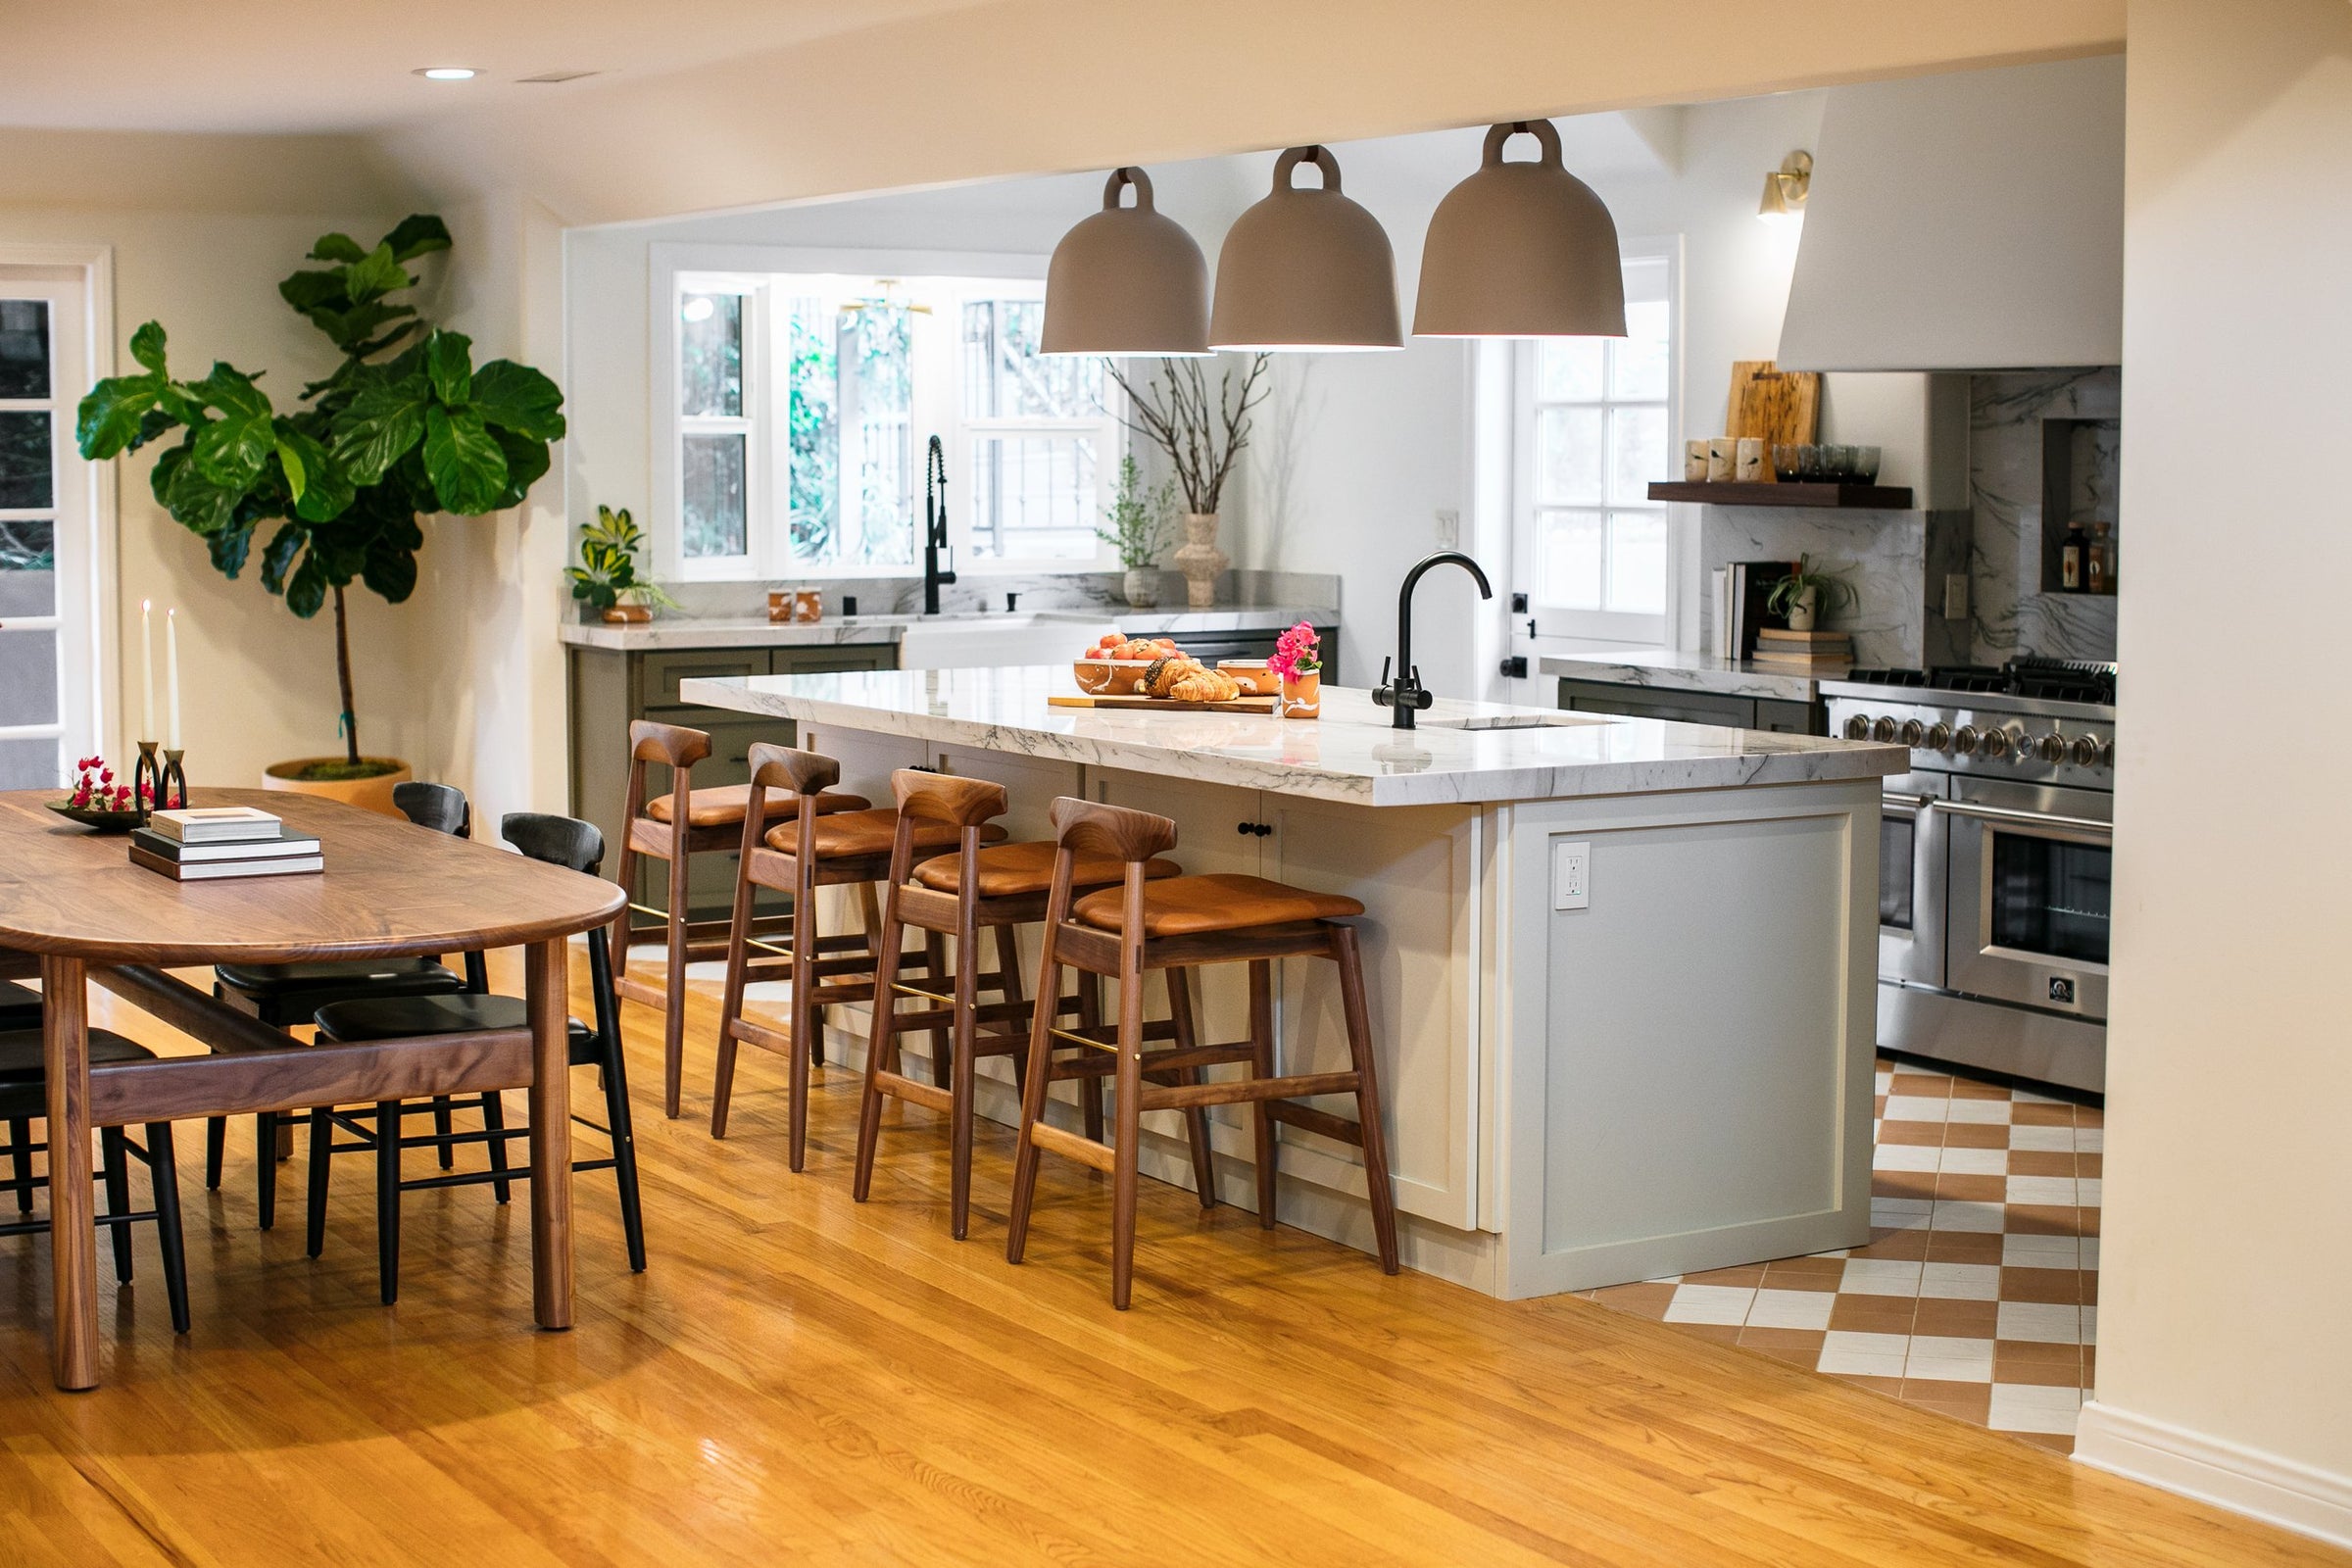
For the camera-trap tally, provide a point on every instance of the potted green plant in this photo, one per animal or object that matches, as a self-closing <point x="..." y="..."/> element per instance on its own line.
<point x="606" y="576"/>
<point x="1805" y="594"/>
<point x="406" y="424"/>
<point x="1138" y="529"/>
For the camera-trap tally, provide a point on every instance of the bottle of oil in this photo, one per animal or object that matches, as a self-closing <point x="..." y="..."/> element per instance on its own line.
<point x="2074" y="558"/>
<point x="2100" y="571"/>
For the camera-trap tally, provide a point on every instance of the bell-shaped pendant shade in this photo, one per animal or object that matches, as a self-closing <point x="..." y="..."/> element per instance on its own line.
<point x="1127" y="280"/>
<point x="1521" y="249"/>
<point x="1306" y="270"/>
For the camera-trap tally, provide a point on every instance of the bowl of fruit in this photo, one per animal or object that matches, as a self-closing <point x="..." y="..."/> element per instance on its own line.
<point x="1116" y="664"/>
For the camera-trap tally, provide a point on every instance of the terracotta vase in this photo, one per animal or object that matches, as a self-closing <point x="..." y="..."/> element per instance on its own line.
<point x="1141" y="589"/>
<point x="1199" y="559"/>
<point x="1302" y="695"/>
<point x="628" y="614"/>
<point x="374" y="793"/>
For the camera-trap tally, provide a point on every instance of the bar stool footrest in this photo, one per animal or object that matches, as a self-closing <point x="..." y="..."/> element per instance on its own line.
<point x="1085" y="1151"/>
<point x="1184" y="1097"/>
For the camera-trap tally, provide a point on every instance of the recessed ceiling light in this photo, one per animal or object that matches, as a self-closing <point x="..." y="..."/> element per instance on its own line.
<point x="447" y="73"/>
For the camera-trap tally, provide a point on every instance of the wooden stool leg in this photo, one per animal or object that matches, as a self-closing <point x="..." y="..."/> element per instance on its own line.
<point x="964" y="1069"/>
<point x="113" y="1158"/>
<point x="935" y="958"/>
<point x="1367" y="1093"/>
<point x="807" y="1018"/>
<point x="163" y="1177"/>
<point x="215" y="1150"/>
<point x="1128" y="1133"/>
<point x="730" y="1006"/>
<point x="323" y="1134"/>
<point x="1089" y="1087"/>
<point x="19" y="1161"/>
<point x="387" y="1200"/>
<point x="1261" y="1065"/>
<point x="1032" y="1104"/>
<point x="1008" y="968"/>
<point x="881" y="1047"/>
<point x="673" y="981"/>
<point x="1195" y="1118"/>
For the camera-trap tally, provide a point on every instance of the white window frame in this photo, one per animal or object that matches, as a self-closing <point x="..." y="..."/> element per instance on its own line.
<point x="1658" y="629"/>
<point x="78" y="283"/>
<point x="938" y="406"/>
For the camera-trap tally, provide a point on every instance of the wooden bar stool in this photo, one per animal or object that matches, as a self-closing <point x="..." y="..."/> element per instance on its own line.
<point x="713" y="819"/>
<point x="1007" y="890"/>
<point x="1180" y="924"/>
<point x="809" y="850"/>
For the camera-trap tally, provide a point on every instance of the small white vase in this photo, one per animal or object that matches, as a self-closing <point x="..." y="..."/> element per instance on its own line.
<point x="1141" y="589"/>
<point x="1804" y="609"/>
<point x="1199" y="559"/>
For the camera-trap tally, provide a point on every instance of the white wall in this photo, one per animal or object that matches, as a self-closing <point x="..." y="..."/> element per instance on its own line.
<point x="2224" y="1363"/>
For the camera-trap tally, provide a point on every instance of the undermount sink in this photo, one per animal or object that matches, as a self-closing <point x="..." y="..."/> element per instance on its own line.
<point x="974" y="642"/>
<point x="1512" y="721"/>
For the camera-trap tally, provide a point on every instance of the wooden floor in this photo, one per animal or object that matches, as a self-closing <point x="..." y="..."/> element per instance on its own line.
<point x="801" y="1378"/>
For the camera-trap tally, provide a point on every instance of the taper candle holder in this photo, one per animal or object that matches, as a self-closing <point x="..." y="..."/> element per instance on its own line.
<point x="147" y="782"/>
<point x="176" y="798"/>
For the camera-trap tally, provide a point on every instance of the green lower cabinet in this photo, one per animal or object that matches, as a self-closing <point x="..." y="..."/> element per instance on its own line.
<point x="1693" y="707"/>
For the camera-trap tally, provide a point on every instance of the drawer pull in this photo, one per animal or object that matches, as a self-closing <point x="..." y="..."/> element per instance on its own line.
<point x="1253" y="829"/>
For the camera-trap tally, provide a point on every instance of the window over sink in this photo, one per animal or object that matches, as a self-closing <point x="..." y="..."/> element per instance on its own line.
<point x="803" y="403"/>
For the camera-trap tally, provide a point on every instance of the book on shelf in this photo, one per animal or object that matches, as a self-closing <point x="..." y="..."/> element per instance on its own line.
<point x="1803" y="662"/>
<point x="223" y="870"/>
<point x="1749" y="588"/>
<point x="214" y="824"/>
<point x="1783" y="639"/>
<point x="285" y="842"/>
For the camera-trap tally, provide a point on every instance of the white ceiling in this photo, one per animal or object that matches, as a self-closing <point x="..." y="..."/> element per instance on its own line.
<point x="271" y="65"/>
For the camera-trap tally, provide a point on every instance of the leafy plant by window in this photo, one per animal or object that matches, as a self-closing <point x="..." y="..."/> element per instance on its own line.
<point x="1138" y="517"/>
<point x="607" y="575"/>
<point x="406" y="424"/>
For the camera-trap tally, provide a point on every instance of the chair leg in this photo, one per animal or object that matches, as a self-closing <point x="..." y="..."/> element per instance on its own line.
<point x="445" y="1125"/>
<point x="1127" y="1134"/>
<point x="387" y="1200"/>
<point x="494" y="1120"/>
<point x="935" y="958"/>
<point x="730" y="1005"/>
<point x="881" y="1047"/>
<point x="1033" y="1105"/>
<point x="1261" y="1065"/>
<point x="113" y="1161"/>
<point x="1089" y="1087"/>
<point x="163" y="1177"/>
<point x="1195" y="1118"/>
<point x="624" y="1150"/>
<point x="265" y="1161"/>
<point x="1009" y="966"/>
<point x="215" y="1150"/>
<point x="322" y="1136"/>
<point x="673" y="981"/>
<point x="20" y="1161"/>
<point x="807" y="1018"/>
<point x="1367" y="1093"/>
<point x="964" y="1067"/>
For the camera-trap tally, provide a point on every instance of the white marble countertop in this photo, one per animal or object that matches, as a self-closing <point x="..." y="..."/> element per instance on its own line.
<point x="758" y="631"/>
<point x="1350" y="755"/>
<point x="1681" y="670"/>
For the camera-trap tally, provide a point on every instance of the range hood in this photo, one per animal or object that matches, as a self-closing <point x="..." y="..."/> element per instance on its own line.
<point x="1969" y="221"/>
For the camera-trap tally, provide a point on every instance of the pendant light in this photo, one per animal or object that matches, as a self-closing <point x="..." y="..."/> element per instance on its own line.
<point x="1126" y="280"/>
<point x="1521" y="249"/>
<point x="1306" y="268"/>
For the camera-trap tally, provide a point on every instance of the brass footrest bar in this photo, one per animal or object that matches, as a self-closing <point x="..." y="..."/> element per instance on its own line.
<point x="1183" y="1097"/>
<point x="1085" y="1151"/>
<point x="944" y="1017"/>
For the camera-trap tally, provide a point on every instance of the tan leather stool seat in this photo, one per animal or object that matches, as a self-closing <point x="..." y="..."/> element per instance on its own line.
<point x="1009" y="870"/>
<point x="1187" y="906"/>
<point x="845" y="834"/>
<point x="724" y="804"/>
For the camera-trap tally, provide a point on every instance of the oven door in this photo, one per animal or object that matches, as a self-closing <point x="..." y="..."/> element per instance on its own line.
<point x="2032" y="869"/>
<point x="1911" y="871"/>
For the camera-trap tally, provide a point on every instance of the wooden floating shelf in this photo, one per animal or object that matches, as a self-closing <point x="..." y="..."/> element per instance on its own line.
<point x="1735" y="493"/>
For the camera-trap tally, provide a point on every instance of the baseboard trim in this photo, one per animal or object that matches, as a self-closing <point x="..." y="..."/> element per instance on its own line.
<point x="2263" y="1485"/>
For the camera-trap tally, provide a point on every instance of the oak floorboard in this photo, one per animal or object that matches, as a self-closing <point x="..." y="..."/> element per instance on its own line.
<point x="801" y="1378"/>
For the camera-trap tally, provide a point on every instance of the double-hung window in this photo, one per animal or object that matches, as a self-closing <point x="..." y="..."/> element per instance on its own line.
<point x="1596" y="420"/>
<point x="804" y="404"/>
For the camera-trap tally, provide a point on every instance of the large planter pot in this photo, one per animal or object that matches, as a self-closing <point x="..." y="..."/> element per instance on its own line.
<point x="1199" y="559"/>
<point x="1141" y="589"/>
<point x="374" y="793"/>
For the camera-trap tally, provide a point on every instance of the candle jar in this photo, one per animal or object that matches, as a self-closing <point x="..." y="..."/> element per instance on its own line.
<point x="808" y="606"/>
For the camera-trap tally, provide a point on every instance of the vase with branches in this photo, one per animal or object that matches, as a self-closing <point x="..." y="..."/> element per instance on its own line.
<point x="1202" y="432"/>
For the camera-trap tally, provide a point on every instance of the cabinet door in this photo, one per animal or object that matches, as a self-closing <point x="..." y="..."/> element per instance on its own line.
<point x="1647" y="702"/>
<point x="818" y="660"/>
<point x="1030" y="784"/>
<point x="663" y="671"/>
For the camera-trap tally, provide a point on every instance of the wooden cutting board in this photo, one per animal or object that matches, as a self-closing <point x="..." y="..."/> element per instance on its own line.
<point x="1777" y="407"/>
<point x="1168" y="705"/>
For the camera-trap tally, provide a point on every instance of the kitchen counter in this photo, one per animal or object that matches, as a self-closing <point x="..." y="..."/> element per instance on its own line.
<point x="1683" y="670"/>
<point x="757" y="631"/>
<point x="1351" y="754"/>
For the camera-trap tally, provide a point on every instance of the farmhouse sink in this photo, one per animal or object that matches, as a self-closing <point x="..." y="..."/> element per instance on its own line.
<point x="972" y="642"/>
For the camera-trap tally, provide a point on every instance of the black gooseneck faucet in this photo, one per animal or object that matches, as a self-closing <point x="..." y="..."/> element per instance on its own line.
<point x="1405" y="696"/>
<point x="935" y="524"/>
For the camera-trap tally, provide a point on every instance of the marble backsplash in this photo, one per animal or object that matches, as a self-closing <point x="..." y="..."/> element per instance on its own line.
<point x="1895" y="562"/>
<point x="2010" y="612"/>
<point x="1091" y="590"/>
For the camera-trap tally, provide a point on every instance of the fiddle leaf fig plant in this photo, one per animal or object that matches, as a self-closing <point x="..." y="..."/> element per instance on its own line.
<point x="406" y="424"/>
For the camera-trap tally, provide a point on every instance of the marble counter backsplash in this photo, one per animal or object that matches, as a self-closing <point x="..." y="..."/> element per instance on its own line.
<point x="904" y="596"/>
<point x="2009" y="612"/>
<point x="1895" y="561"/>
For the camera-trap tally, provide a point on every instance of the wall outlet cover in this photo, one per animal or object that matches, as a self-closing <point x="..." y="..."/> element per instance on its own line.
<point x="1450" y="527"/>
<point x="1955" y="596"/>
<point x="1572" y="877"/>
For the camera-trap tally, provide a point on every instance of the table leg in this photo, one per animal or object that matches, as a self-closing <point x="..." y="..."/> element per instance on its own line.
<point x="551" y="1132"/>
<point x="72" y="1221"/>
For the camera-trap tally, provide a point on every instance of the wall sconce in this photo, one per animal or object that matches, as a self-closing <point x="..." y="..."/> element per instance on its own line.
<point x="1786" y="189"/>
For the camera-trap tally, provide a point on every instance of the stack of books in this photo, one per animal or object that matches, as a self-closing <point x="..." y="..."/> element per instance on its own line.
<point x="1741" y="590"/>
<point x="1804" y="651"/>
<point x="211" y="843"/>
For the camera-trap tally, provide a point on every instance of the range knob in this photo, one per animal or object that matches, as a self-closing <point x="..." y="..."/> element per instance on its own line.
<point x="1882" y="731"/>
<point x="2085" y="752"/>
<point x="1940" y="736"/>
<point x="2051" y="748"/>
<point x="1913" y="733"/>
<point x="1995" y="743"/>
<point x="1965" y="738"/>
<point x="1857" y="728"/>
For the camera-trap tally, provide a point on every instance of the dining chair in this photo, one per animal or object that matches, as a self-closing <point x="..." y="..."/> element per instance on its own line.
<point x="562" y="841"/>
<point x="287" y="995"/>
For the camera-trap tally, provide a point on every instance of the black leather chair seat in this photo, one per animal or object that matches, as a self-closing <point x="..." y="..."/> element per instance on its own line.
<point x="24" y="1071"/>
<point x="19" y="1009"/>
<point x="402" y="1017"/>
<point x="375" y="976"/>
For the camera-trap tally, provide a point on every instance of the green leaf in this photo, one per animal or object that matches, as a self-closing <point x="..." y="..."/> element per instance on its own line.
<point x="526" y="463"/>
<point x="518" y="398"/>
<point x="147" y="346"/>
<point x="470" y="471"/>
<point x="385" y="420"/>
<point x="231" y="391"/>
<point x="377" y="273"/>
<point x="449" y="361"/>
<point x="306" y="589"/>
<point x="197" y="502"/>
<point x="325" y="491"/>
<point x="391" y="568"/>
<point x="230" y="452"/>
<point x="337" y="248"/>
<point x="152" y="423"/>
<point x="417" y="234"/>
<point x="278" y="556"/>
<point x="298" y="478"/>
<point x="229" y="547"/>
<point x="109" y="420"/>
<point x="308" y="291"/>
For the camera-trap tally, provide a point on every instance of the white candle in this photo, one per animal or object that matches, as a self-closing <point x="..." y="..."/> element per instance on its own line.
<point x="171" y="672"/>
<point x="147" y="669"/>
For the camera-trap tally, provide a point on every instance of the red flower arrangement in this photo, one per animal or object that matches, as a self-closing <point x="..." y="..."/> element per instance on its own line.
<point x="1297" y="652"/>
<point x="96" y="789"/>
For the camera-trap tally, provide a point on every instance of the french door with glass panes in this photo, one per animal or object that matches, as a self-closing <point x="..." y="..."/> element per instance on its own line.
<point x="48" y="698"/>
<point x="1595" y="419"/>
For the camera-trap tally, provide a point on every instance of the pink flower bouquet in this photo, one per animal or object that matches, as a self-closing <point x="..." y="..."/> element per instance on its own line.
<point x="1297" y="652"/>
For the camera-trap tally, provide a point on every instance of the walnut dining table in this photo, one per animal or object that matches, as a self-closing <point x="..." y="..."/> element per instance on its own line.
<point x="74" y="911"/>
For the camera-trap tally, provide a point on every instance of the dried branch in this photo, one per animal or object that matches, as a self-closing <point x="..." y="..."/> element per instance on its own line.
<point x="1201" y="434"/>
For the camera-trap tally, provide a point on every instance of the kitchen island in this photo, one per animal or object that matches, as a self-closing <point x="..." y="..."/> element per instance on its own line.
<point x="1622" y="973"/>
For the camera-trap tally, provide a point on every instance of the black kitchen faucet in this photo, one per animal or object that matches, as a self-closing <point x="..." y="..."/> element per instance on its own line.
<point x="935" y="524"/>
<point x="1405" y="696"/>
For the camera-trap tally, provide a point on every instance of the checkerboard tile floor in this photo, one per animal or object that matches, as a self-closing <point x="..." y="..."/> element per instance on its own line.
<point x="1978" y="1295"/>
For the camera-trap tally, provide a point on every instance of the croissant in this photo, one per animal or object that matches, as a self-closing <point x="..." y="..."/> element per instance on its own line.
<point x="1206" y="686"/>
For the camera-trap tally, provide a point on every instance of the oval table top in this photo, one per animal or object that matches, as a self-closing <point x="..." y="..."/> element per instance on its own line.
<point x="390" y="889"/>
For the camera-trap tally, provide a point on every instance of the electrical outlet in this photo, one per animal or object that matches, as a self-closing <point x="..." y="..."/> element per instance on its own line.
<point x="1955" y="596"/>
<point x="1572" y="877"/>
<point x="1450" y="527"/>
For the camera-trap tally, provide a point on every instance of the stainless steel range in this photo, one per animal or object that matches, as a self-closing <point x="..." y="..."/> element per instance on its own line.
<point x="1995" y="861"/>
